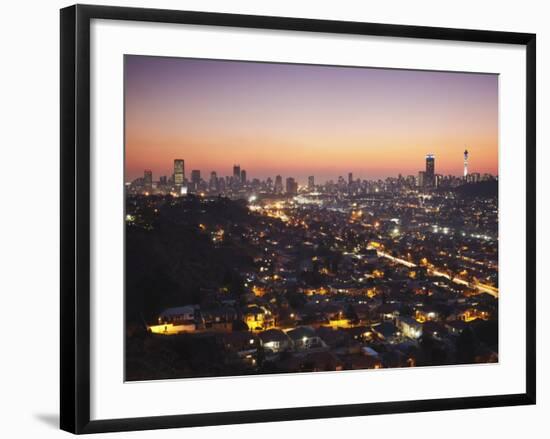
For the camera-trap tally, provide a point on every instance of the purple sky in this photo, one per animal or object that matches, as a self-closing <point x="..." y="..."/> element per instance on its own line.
<point x="299" y="120"/>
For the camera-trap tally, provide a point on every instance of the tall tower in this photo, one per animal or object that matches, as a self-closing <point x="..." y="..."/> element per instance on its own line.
<point x="213" y="184"/>
<point x="278" y="188"/>
<point x="291" y="186"/>
<point x="237" y="172"/>
<point x="148" y="180"/>
<point x="465" y="163"/>
<point x="430" y="171"/>
<point x="179" y="172"/>
<point x="196" y="176"/>
<point x="311" y="183"/>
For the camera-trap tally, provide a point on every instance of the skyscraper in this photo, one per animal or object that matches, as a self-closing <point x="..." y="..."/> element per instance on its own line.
<point x="421" y="182"/>
<point x="179" y="172"/>
<point x="237" y="172"/>
<point x="148" y="180"/>
<point x="311" y="182"/>
<point x="213" y="184"/>
<point x="236" y="179"/>
<point x="465" y="163"/>
<point x="350" y="179"/>
<point x="291" y="186"/>
<point x="196" y="177"/>
<point x="278" y="188"/>
<point x="243" y="176"/>
<point x="429" y="180"/>
<point x="341" y="183"/>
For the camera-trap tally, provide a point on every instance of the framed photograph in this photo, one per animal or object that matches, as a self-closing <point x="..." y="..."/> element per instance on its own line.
<point x="268" y="218"/>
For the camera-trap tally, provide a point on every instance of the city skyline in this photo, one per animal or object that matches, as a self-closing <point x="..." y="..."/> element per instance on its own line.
<point x="267" y="229"/>
<point x="273" y="118"/>
<point x="181" y="173"/>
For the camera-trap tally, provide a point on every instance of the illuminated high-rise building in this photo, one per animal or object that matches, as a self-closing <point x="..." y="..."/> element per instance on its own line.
<point x="179" y="172"/>
<point x="429" y="178"/>
<point x="465" y="163"/>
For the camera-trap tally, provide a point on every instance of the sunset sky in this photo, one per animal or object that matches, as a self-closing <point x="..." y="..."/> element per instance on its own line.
<point x="299" y="120"/>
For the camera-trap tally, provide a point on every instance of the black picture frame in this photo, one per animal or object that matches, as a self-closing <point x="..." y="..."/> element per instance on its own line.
<point x="75" y="217"/>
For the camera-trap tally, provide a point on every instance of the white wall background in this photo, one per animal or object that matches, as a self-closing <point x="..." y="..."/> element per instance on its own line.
<point x="29" y="220"/>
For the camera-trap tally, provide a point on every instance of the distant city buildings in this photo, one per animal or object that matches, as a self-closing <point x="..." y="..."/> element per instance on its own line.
<point x="163" y="181"/>
<point x="239" y="185"/>
<point x="473" y="177"/>
<point x="148" y="180"/>
<point x="213" y="184"/>
<point x="311" y="183"/>
<point x="179" y="172"/>
<point x="237" y="172"/>
<point x="291" y="186"/>
<point x="195" y="178"/>
<point x="278" y="188"/>
<point x="429" y="176"/>
<point x="421" y="182"/>
<point x="329" y="275"/>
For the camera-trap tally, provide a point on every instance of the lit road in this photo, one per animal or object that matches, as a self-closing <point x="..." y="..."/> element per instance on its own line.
<point x="480" y="287"/>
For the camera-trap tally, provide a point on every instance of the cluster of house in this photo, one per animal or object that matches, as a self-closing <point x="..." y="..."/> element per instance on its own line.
<point x="191" y="318"/>
<point x="321" y="336"/>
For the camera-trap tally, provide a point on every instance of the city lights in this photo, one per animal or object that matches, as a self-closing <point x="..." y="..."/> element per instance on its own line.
<point x="295" y="218"/>
<point x="375" y="262"/>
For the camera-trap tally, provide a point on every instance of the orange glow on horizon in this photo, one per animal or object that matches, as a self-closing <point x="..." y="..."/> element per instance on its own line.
<point x="295" y="120"/>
